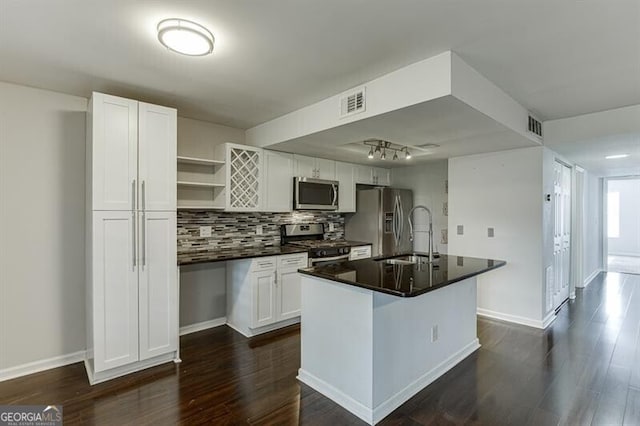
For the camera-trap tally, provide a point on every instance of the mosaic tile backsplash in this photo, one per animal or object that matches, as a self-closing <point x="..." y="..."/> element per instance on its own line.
<point x="234" y="230"/>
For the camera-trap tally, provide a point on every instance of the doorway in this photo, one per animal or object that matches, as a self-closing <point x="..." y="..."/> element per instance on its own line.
<point x="623" y="225"/>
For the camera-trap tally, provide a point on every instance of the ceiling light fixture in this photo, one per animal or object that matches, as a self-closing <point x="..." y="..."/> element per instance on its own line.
<point x="185" y="37"/>
<point x="382" y="146"/>
<point x="613" y="157"/>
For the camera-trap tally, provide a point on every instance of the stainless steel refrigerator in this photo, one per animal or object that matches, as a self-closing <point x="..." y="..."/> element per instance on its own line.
<point x="381" y="219"/>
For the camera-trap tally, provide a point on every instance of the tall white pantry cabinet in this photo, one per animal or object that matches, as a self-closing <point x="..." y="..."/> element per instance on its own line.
<point x="132" y="289"/>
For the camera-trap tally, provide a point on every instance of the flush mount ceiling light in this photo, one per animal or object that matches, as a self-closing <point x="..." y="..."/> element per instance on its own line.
<point x="381" y="146"/>
<point x="185" y="37"/>
<point x="613" y="157"/>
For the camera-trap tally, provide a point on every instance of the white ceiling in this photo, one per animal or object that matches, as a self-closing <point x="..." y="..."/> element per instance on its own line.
<point x="557" y="58"/>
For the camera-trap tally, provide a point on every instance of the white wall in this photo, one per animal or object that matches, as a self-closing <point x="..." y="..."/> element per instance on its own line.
<point x="593" y="226"/>
<point x="202" y="287"/>
<point x="628" y="243"/>
<point x="42" y="235"/>
<point x="428" y="183"/>
<point x="42" y="180"/>
<point x="501" y="190"/>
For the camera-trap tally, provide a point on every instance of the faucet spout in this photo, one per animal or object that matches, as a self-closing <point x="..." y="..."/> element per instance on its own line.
<point x="410" y="216"/>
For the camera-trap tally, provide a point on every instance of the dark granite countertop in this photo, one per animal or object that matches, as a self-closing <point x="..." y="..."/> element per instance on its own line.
<point x="404" y="280"/>
<point x="220" y="255"/>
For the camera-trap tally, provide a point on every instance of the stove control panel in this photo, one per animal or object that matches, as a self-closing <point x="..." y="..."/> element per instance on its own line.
<point x="329" y="251"/>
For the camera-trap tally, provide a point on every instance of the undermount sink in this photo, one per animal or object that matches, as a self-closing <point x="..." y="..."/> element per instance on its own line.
<point x="411" y="259"/>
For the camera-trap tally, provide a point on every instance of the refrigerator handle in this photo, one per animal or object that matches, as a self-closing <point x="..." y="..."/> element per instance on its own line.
<point x="400" y="220"/>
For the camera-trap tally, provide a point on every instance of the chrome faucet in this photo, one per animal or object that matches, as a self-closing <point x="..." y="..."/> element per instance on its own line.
<point x="430" y="228"/>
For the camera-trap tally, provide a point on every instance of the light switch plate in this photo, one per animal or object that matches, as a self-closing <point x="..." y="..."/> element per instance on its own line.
<point x="460" y="229"/>
<point x="490" y="232"/>
<point x="259" y="230"/>
<point x="205" y="231"/>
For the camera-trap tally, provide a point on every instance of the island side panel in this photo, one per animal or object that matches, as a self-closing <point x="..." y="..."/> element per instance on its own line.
<point x="337" y="343"/>
<point x="405" y="358"/>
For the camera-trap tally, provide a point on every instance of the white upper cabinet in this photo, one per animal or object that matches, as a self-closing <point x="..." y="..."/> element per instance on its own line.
<point x="112" y="152"/>
<point x="318" y="168"/>
<point x="345" y="175"/>
<point x="373" y="175"/>
<point x="304" y="166"/>
<point x="131" y="151"/>
<point x="244" y="178"/>
<point x="278" y="185"/>
<point x="326" y="169"/>
<point x="157" y="141"/>
<point x="381" y="176"/>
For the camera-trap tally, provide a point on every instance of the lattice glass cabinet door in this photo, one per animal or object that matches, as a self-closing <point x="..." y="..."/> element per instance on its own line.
<point x="244" y="165"/>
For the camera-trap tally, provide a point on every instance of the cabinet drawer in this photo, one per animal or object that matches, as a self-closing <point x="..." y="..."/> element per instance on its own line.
<point x="298" y="260"/>
<point x="263" y="263"/>
<point x="360" y="252"/>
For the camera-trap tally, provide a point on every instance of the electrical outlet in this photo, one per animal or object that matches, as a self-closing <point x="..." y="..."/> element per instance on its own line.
<point x="332" y="227"/>
<point x="434" y="333"/>
<point x="460" y="229"/>
<point x="205" y="231"/>
<point x="490" y="232"/>
<point x="259" y="230"/>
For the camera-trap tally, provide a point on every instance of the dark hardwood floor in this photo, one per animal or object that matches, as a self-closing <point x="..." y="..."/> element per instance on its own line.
<point x="584" y="369"/>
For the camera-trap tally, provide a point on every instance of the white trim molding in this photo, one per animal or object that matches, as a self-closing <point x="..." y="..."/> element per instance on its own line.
<point x="41" y="365"/>
<point x="204" y="325"/>
<point x="529" y="322"/>
<point x="591" y="277"/>
<point x="376" y="414"/>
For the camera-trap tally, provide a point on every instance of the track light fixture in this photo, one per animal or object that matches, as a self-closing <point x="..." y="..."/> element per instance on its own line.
<point x="382" y="146"/>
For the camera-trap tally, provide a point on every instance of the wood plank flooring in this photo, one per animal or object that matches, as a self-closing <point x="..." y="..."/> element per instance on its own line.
<point x="584" y="369"/>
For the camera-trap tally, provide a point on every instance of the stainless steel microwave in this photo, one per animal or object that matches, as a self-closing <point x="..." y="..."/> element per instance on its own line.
<point x="315" y="194"/>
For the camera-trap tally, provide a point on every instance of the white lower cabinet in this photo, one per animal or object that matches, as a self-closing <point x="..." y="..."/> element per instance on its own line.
<point x="132" y="298"/>
<point x="263" y="294"/>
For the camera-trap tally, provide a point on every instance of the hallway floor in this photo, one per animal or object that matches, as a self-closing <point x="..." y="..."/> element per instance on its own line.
<point x="623" y="264"/>
<point x="583" y="370"/>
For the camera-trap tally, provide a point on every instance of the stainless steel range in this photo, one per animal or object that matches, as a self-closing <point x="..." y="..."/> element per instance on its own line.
<point x="311" y="236"/>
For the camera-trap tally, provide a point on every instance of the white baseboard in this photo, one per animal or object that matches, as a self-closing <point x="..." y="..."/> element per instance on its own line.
<point x="387" y="407"/>
<point x="529" y="322"/>
<point x="200" y="326"/>
<point x="251" y="332"/>
<point x="103" y="376"/>
<point x="590" y="278"/>
<point x="336" y="395"/>
<point x="375" y="415"/>
<point x="41" y="365"/>
<point x="551" y="317"/>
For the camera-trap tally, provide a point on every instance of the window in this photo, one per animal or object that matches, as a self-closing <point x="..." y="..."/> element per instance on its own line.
<point x="613" y="215"/>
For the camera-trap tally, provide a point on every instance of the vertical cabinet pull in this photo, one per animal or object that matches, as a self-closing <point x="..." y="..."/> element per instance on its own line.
<point x="133" y="194"/>
<point x="144" y="196"/>
<point x="133" y="237"/>
<point x="144" y="239"/>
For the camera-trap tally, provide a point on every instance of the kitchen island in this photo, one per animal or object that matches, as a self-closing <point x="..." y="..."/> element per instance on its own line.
<point x="376" y="331"/>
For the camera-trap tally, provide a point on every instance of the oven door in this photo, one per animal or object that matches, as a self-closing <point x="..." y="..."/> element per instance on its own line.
<point x="315" y="194"/>
<point x="327" y="260"/>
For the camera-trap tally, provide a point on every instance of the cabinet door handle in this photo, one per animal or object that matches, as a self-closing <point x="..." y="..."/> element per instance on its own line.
<point x="133" y="194"/>
<point x="275" y="279"/>
<point x="134" y="219"/>
<point x="144" y="239"/>
<point x="144" y="196"/>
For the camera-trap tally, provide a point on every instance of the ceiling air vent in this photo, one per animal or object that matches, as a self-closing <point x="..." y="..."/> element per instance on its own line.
<point x="353" y="103"/>
<point x="535" y="126"/>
